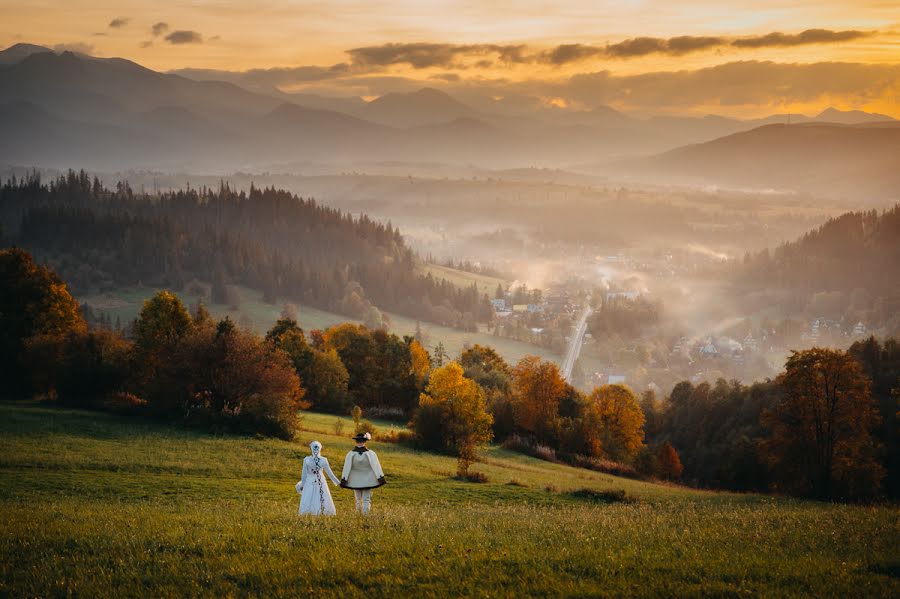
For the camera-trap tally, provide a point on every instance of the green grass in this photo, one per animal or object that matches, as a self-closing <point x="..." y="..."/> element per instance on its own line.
<point x="460" y="278"/>
<point x="101" y="505"/>
<point x="258" y="315"/>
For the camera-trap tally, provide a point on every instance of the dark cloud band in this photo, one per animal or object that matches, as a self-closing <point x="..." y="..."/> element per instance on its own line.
<point x="459" y="56"/>
<point x="184" y="36"/>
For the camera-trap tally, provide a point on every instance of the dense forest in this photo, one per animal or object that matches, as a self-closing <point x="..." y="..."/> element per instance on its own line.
<point x="267" y="239"/>
<point x="847" y="269"/>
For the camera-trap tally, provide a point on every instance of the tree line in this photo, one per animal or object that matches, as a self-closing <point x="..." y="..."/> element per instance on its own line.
<point x="826" y="427"/>
<point x="847" y="270"/>
<point x="266" y="239"/>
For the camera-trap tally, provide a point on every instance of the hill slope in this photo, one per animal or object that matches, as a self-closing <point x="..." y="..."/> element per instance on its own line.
<point x="100" y="505"/>
<point x="831" y="159"/>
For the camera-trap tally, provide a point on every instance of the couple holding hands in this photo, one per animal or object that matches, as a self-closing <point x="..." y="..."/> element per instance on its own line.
<point x="362" y="473"/>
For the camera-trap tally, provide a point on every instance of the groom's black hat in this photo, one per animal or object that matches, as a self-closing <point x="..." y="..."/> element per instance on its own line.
<point x="361" y="437"/>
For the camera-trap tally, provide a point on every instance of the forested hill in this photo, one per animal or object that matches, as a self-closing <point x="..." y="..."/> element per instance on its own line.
<point x="852" y="261"/>
<point x="290" y="248"/>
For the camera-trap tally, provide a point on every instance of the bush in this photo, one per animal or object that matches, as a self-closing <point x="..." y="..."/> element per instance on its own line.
<point x="364" y="426"/>
<point x="472" y="477"/>
<point x="612" y="496"/>
<point x="401" y="436"/>
<point x="391" y="413"/>
<point x="601" y="465"/>
<point x="124" y="403"/>
<point x="82" y="368"/>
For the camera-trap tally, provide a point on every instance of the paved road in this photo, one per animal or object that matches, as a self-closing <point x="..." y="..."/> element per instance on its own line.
<point x="575" y="344"/>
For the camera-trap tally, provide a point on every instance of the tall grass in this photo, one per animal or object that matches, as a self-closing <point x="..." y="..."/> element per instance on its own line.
<point x="98" y="505"/>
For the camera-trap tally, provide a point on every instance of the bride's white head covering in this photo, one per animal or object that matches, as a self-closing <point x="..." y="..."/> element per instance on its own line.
<point x="316" y="448"/>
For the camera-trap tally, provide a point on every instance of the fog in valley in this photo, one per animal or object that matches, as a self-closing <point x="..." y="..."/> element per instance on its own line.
<point x="549" y="207"/>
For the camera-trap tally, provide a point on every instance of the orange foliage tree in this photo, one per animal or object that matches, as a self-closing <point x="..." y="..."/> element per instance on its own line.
<point x="668" y="464"/>
<point x="821" y="442"/>
<point x="537" y="389"/>
<point x="621" y="421"/>
<point x="33" y="301"/>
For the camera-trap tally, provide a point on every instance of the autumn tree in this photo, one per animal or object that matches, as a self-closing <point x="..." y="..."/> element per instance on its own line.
<point x="379" y="366"/>
<point x="668" y="464"/>
<point x="33" y="301"/>
<point x="537" y="388"/>
<point x="621" y="421"/>
<point x="162" y="323"/>
<point x="322" y="374"/>
<point x="224" y="378"/>
<point x="81" y="367"/>
<point x="821" y="430"/>
<point x="421" y="362"/>
<point x="452" y="417"/>
<point x="486" y="367"/>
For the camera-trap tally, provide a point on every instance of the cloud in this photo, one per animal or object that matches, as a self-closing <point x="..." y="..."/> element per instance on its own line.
<point x="684" y="44"/>
<point x="147" y="44"/>
<point x="119" y="22"/>
<point x="740" y="83"/>
<point x="77" y="47"/>
<point x="159" y="28"/>
<point x="268" y="79"/>
<point x="424" y="55"/>
<point x="184" y="36"/>
<point x="810" y="36"/>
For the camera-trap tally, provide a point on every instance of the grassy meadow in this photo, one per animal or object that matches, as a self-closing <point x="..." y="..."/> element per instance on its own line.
<point x="460" y="278"/>
<point x="259" y="316"/>
<point x="103" y="505"/>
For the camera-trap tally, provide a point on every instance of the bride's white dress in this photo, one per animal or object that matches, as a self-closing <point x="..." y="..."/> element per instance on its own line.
<point x="315" y="496"/>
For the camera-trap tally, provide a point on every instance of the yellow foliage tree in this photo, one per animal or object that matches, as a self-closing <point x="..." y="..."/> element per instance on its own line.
<point x="621" y="421"/>
<point x="452" y="415"/>
<point x="421" y="362"/>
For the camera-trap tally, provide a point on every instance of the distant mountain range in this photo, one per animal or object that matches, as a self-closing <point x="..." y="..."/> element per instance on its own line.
<point x="66" y="109"/>
<point x="824" y="158"/>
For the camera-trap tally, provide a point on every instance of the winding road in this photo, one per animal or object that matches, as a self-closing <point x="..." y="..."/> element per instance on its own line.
<point x="575" y="345"/>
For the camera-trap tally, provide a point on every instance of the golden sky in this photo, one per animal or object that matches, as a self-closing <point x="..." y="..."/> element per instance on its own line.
<point x="460" y="44"/>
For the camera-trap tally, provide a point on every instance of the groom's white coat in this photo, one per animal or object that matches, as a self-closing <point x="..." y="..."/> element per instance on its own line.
<point x="373" y="462"/>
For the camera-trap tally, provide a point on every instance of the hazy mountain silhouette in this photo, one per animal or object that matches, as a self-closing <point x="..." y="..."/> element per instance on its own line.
<point x="19" y="52"/>
<point x="69" y="109"/>
<point x="426" y="106"/>
<point x="850" y="117"/>
<point x="824" y="158"/>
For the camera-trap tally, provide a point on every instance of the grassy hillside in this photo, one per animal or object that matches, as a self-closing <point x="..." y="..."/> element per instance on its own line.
<point x="259" y="315"/>
<point x="96" y="504"/>
<point x="461" y="278"/>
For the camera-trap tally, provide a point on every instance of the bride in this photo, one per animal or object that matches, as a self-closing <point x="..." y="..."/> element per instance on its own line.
<point x="315" y="496"/>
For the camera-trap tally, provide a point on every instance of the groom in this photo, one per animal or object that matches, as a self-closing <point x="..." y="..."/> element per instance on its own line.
<point x="362" y="473"/>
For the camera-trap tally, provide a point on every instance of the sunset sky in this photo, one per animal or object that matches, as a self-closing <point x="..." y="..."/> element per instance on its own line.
<point x="659" y="56"/>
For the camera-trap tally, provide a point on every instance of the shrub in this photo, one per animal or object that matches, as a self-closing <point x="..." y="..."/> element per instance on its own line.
<point x="394" y="435"/>
<point x="668" y="466"/>
<point x="544" y="452"/>
<point x="364" y="426"/>
<point x="601" y="465"/>
<point x="472" y="477"/>
<point x="82" y="368"/>
<point x="391" y="413"/>
<point x="124" y="403"/>
<point x="611" y="496"/>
